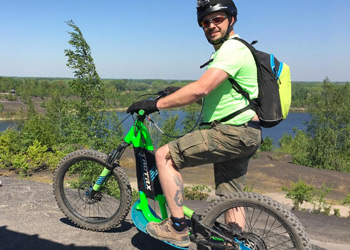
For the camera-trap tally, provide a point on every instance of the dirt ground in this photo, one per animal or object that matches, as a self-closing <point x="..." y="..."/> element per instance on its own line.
<point x="267" y="174"/>
<point x="30" y="218"/>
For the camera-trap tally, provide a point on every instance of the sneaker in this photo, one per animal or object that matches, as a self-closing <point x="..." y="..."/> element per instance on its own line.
<point x="165" y="231"/>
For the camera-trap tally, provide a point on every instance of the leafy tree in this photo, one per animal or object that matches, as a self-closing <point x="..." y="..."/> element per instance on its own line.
<point x="92" y="125"/>
<point x="192" y="115"/>
<point x="169" y="128"/>
<point x="329" y="128"/>
<point x="326" y="143"/>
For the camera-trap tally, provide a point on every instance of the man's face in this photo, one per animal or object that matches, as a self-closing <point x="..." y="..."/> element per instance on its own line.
<point x="212" y="31"/>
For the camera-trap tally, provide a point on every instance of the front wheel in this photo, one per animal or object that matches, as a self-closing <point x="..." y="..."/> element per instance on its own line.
<point x="73" y="181"/>
<point x="254" y="221"/>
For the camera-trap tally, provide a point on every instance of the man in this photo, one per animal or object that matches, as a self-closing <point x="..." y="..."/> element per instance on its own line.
<point x="230" y="144"/>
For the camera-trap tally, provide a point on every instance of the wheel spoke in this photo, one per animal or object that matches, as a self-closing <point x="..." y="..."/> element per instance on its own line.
<point x="266" y="224"/>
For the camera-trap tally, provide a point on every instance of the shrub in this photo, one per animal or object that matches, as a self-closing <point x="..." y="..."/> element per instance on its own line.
<point x="346" y="200"/>
<point x="319" y="200"/>
<point x="196" y="192"/>
<point x="267" y="144"/>
<point x="300" y="192"/>
<point x="337" y="212"/>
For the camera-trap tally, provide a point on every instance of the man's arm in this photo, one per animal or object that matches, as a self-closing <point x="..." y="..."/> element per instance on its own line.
<point x="194" y="91"/>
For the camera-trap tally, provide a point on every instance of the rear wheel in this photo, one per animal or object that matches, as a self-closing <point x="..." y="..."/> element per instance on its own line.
<point x="73" y="181"/>
<point x="265" y="223"/>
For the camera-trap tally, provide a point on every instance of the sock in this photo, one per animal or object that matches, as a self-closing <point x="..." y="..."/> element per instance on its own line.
<point x="179" y="224"/>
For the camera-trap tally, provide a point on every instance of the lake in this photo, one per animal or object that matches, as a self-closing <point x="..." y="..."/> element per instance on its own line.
<point x="294" y="120"/>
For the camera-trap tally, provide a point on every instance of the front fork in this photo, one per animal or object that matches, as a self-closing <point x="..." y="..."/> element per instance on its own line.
<point x="112" y="159"/>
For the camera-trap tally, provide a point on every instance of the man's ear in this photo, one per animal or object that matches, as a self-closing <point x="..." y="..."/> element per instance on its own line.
<point x="232" y="21"/>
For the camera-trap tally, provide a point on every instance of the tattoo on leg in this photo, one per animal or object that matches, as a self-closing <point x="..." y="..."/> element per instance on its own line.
<point x="179" y="193"/>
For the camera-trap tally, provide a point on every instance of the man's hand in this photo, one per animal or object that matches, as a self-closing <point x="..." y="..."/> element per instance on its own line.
<point x="149" y="106"/>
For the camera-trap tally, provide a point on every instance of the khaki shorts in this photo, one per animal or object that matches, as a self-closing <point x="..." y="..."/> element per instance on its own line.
<point x="228" y="147"/>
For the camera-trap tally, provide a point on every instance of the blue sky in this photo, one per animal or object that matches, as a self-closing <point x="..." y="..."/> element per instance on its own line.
<point x="161" y="39"/>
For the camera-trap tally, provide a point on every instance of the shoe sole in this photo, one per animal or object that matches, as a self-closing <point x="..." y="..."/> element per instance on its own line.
<point x="184" y="244"/>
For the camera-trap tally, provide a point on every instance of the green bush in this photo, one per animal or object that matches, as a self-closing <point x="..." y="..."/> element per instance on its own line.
<point x="320" y="204"/>
<point x="20" y="163"/>
<point x="196" y="192"/>
<point x="300" y="192"/>
<point x="346" y="200"/>
<point x="10" y="145"/>
<point x="297" y="147"/>
<point x="337" y="212"/>
<point x="267" y="144"/>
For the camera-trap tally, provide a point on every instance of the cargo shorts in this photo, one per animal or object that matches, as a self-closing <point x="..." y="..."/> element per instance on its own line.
<point x="228" y="147"/>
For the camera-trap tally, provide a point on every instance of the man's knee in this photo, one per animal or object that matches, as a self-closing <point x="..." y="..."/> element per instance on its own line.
<point x="163" y="158"/>
<point x="161" y="153"/>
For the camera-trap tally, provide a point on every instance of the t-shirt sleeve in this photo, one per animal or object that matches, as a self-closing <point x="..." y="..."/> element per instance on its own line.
<point x="229" y="57"/>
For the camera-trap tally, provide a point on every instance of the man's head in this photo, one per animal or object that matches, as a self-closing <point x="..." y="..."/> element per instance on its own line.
<point x="216" y="16"/>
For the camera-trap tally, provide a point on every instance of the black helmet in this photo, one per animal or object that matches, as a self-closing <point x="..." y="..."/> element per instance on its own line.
<point x="205" y="7"/>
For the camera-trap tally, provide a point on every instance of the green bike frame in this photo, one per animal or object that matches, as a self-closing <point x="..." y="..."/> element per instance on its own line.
<point x="139" y="137"/>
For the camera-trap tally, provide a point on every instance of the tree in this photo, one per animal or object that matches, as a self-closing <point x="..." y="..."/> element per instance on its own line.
<point x="326" y="144"/>
<point x="92" y="125"/>
<point x="192" y="115"/>
<point x="169" y="128"/>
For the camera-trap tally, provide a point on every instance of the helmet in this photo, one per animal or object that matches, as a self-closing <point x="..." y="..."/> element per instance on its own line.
<point x="205" y="7"/>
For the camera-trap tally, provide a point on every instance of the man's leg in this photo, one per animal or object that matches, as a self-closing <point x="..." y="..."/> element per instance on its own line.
<point x="236" y="218"/>
<point x="173" y="230"/>
<point x="230" y="177"/>
<point x="171" y="181"/>
<point x="189" y="150"/>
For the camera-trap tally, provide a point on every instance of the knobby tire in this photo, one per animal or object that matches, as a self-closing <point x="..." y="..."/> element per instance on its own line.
<point x="74" y="178"/>
<point x="268" y="224"/>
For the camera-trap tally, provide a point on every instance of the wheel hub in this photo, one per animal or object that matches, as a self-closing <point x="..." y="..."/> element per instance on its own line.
<point x="253" y="241"/>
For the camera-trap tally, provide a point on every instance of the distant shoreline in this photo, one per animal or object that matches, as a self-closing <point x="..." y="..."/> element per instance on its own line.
<point x="294" y="109"/>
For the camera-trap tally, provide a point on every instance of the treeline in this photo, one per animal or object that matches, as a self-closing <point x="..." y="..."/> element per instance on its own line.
<point x="120" y="92"/>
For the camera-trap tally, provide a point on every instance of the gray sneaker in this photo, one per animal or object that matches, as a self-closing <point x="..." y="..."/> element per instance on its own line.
<point x="165" y="231"/>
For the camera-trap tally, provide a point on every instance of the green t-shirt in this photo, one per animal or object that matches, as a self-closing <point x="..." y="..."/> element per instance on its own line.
<point x="237" y="61"/>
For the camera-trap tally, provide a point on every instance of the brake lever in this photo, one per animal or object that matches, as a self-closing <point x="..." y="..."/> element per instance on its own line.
<point x="161" y="94"/>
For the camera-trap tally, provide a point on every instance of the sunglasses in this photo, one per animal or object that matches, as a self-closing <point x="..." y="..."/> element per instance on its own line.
<point x="215" y="20"/>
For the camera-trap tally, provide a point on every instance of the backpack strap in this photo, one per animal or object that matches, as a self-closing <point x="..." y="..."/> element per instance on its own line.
<point x="237" y="88"/>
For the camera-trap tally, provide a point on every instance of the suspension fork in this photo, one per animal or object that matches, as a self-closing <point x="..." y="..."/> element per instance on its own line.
<point x="113" y="160"/>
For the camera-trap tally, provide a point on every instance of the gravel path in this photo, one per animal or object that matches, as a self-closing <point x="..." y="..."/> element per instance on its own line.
<point x="30" y="219"/>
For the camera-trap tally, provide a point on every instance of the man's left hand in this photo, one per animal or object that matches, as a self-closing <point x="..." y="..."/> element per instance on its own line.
<point x="149" y="106"/>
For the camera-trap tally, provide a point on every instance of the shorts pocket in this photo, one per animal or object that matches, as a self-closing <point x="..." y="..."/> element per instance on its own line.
<point x="250" y="137"/>
<point x="194" y="145"/>
<point x="235" y="136"/>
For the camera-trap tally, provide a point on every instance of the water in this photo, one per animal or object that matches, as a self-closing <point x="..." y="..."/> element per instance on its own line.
<point x="294" y="120"/>
<point x="7" y="124"/>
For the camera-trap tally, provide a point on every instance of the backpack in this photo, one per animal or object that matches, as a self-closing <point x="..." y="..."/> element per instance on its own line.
<point x="275" y="89"/>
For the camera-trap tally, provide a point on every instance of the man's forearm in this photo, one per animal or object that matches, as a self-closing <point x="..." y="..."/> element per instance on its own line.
<point x="186" y="95"/>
